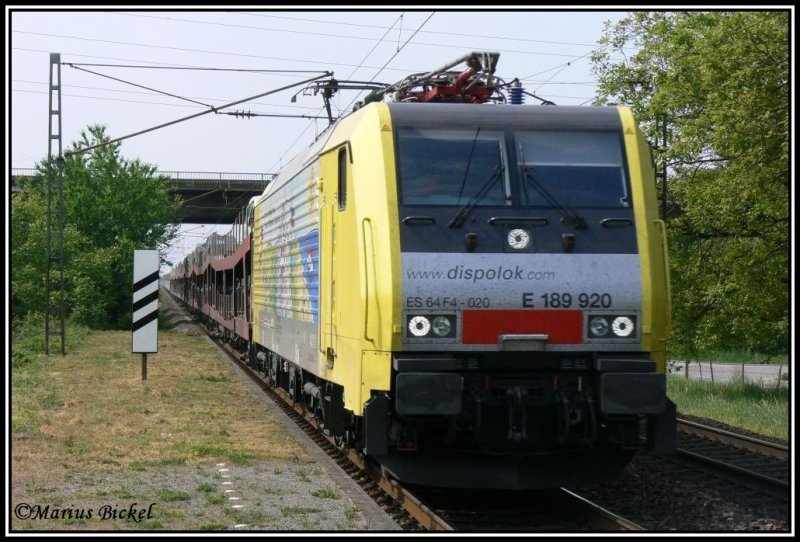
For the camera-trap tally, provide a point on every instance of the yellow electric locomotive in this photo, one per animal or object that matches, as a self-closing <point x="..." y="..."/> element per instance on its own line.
<point x="474" y="295"/>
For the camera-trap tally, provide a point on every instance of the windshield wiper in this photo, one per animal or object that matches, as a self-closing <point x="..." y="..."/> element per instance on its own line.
<point x="486" y="187"/>
<point x="469" y="162"/>
<point x="567" y="213"/>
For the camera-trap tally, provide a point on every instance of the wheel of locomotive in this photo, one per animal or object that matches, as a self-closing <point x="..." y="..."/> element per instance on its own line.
<point x="271" y="370"/>
<point x="295" y="386"/>
<point x="340" y="441"/>
<point x="307" y="400"/>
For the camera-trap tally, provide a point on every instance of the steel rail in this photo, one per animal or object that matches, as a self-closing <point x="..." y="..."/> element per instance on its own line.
<point x="763" y="447"/>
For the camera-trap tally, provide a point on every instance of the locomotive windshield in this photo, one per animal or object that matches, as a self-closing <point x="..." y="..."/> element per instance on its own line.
<point x="451" y="167"/>
<point x="581" y="169"/>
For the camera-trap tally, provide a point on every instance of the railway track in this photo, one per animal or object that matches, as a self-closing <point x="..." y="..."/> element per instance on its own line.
<point x="445" y="510"/>
<point x="755" y="463"/>
<point x="555" y="510"/>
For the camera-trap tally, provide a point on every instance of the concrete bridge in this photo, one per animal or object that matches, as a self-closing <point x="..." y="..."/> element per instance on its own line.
<point x="208" y="197"/>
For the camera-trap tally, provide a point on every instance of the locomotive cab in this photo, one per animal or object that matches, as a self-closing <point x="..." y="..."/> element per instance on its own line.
<point x="533" y="298"/>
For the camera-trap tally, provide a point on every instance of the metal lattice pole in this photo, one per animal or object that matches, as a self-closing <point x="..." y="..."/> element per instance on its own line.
<point x="55" y="213"/>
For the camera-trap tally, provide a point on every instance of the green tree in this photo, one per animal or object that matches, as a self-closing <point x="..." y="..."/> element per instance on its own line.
<point x="112" y="207"/>
<point x="720" y="80"/>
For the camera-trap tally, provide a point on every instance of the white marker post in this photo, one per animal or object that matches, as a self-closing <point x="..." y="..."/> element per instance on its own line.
<point x="145" y="304"/>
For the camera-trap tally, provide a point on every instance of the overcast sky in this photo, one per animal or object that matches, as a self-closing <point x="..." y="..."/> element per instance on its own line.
<point x="548" y="50"/>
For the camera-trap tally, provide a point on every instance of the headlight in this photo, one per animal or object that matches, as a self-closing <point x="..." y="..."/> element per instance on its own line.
<point x="431" y="326"/>
<point x="598" y="326"/>
<point x="442" y="326"/>
<point x="419" y="326"/>
<point x="612" y="326"/>
<point x="622" y="326"/>
<point x="518" y="239"/>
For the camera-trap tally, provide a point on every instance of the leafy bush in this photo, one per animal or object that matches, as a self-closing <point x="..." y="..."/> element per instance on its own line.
<point x="27" y="338"/>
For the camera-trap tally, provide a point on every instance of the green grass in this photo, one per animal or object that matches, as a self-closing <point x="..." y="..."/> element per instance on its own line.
<point x="750" y="406"/>
<point x="326" y="493"/>
<point x="89" y="409"/>
<point x="169" y="495"/>
<point x="123" y="493"/>
<point x="85" y="429"/>
<point x="734" y="355"/>
<point x="240" y="457"/>
<point x="215" y="498"/>
<point x="213" y="527"/>
<point x="207" y="449"/>
<point x="215" y="378"/>
<point x="289" y="511"/>
<point x="149" y="525"/>
<point x="351" y="512"/>
<point x="253" y="517"/>
<point x="302" y="475"/>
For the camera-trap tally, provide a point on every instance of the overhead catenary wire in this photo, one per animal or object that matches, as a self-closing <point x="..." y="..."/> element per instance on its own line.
<point x="187" y="49"/>
<point x="400" y="31"/>
<point x="339" y="111"/>
<point x="296" y="139"/>
<point x="319" y="110"/>
<point x="556" y="67"/>
<point x="195" y="68"/>
<point x="249" y="114"/>
<point x="395" y="54"/>
<point x="227" y="53"/>
<point x="148" y="102"/>
<point x="77" y="67"/>
<point x="322" y="34"/>
<point x="189" y="117"/>
<point x="385" y="67"/>
<point x="361" y="25"/>
<point x="260" y="57"/>
<point x="396" y="69"/>
<point x="554" y="74"/>
<point x="399" y="19"/>
<point x="265" y="71"/>
<point x="372" y="79"/>
<point x="171" y="64"/>
<point x="105" y="89"/>
<point x="242" y="114"/>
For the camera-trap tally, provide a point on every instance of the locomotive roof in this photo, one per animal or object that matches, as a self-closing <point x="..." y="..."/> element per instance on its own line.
<point x="542" y="117"/>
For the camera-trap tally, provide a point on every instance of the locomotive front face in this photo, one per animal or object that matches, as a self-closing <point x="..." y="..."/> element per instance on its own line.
<point x="517" y="233"/>
<point x="532" y="273"/>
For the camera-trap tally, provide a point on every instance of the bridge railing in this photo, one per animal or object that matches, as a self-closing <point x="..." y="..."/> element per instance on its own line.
<point x="196" y="180"/>
<point x="221" y="184"/>
<point x="216" y="176"/>
<point x="180" y="175"/>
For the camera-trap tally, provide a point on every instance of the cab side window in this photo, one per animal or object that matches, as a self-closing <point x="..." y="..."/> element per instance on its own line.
<point x="342" y="193"/>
